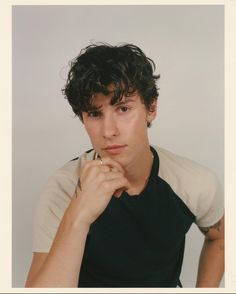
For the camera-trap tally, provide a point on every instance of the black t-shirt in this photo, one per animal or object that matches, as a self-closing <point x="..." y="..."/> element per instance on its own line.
<point x="138" y="241"/>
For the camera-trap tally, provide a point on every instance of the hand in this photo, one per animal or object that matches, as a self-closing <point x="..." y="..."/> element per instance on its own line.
<point x="99" y="180"/>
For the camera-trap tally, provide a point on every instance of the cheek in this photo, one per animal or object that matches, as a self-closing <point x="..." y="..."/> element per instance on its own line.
<point x="137" y="122"/>
<point x="92" y="131"/>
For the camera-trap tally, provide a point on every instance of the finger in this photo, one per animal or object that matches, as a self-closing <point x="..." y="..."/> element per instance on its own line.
<point x="106" y="161"/>
<point x="109" y="176"/>
<point x="117" y="183"/>
<point x="91" y="163"/>
<point x="119" y="192"/>
<point x="109" y="168"/>
<point x="93" y="168"/>
<point x="113" y="163"/>
<point x="105" y="169"/>
<point x="114" y="169"/>
<point x="99" y="169"/>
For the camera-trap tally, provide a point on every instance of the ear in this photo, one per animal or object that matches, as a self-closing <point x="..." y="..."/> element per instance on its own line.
<point x="152" y="112"/>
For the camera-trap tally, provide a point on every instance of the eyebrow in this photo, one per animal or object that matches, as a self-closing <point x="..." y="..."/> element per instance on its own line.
<point x="122" y="102"/>
<point x="94" y="108"/>
<point x="128" y="99"/>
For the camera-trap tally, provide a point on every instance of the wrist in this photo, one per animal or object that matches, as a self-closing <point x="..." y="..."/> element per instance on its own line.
<point x="77" y="224"/>
<point x="75" y="216"/>
<point x="84" y="210"/>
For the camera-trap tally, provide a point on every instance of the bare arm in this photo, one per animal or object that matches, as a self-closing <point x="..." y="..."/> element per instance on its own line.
<point x="211" y="263"/>
<point x="61" y="266"/>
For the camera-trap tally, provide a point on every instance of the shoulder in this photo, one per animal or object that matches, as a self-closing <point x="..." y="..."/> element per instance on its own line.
<point x="175" y="166"/>
<point x="196" y="185"/>
<point x="54" y="199"/>
<point x="65" y="178"/>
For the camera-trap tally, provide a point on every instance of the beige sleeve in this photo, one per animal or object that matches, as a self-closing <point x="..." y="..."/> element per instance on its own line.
<point x="196" y="185"/>
<point x="53" y="202"/>
<point x="210" y="206"/>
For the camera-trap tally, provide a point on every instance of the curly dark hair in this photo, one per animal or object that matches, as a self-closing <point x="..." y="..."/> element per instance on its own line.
<point x="100" y="65"/>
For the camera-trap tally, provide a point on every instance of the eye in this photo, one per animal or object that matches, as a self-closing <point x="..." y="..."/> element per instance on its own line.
<point x="123" y="108"/>
<point x="94" y="114"/>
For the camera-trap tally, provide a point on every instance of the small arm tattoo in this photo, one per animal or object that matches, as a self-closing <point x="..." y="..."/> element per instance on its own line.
<point x="205" y="230"/>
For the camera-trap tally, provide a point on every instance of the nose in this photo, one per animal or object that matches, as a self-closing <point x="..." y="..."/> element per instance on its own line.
<point x="110" y="128"/>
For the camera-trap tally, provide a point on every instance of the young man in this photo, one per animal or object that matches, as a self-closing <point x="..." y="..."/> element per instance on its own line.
<point x="117" y="216"/>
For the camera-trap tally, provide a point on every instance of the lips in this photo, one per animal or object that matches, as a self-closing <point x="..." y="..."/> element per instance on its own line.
<point x="114" y="149"/>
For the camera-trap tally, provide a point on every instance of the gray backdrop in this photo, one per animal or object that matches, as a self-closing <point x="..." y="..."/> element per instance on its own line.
<point x="187" y="44"/>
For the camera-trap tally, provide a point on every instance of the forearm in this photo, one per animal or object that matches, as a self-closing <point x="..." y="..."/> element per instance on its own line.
<point x="211" y="263"/>
<point x="62" y="265"/>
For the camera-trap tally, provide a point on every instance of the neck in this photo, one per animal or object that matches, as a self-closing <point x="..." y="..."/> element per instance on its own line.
<point x="138" y="177"/>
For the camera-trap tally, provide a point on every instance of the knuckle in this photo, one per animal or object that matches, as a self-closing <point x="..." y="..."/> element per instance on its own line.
<point x="101" y="177"/>
<point x="86" y="165"/>
<point x="106" y="185"/>
<point x="95" y="168"/>
<point x="114" y="169"/>
<point x="106" y="168"/>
